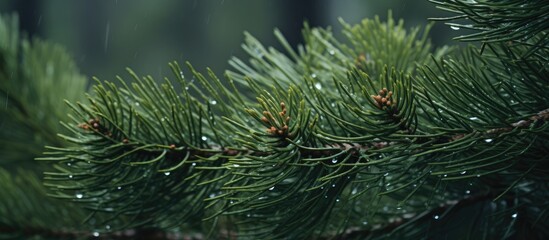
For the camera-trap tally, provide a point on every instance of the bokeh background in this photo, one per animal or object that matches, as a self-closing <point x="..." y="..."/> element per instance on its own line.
<point x="106" y="36"/>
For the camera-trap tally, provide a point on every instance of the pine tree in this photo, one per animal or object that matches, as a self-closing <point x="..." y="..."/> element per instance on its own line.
<point x="376" y="136"/>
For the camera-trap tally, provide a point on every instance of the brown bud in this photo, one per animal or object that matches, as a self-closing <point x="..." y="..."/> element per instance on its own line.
<point x="172" y="146"/>
<point x="264" y="119"/>
<point x="282" y="105"/>
<point x="95" y="125"/>
<point x="280" y="132"/>
<point x="383" y="100"/>
<point x="125" y="140"/>
<point x="388" y="103"/>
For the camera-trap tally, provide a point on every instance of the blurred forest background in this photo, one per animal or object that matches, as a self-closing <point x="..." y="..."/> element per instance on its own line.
<point x="105" y="36"/>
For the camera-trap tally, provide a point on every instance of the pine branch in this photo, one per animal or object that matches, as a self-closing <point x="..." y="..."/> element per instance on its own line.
<point x="316" y="141"/>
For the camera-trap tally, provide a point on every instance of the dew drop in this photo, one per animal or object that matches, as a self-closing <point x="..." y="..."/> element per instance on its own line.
<point x="96" y="234"/>
<point x="119" y="188"/>
<point x="436" y="217"/>
<point x="331" y="52"/>
<point x="108" y="227"/>
<point x="454" y="27"/>
<point x="473" y="118"/>
<point x="333" y="104"/>
<point x="204" y="138"/>
<point x="354" y="191"/>
<point x="334" y="160"/>
<point x="365" y="223"/>
<point x="70" y="176"/>
<point x="271" y="188"/>
<point x="167" y="173"/>
<point x="137" y="104"/>
<point x="488" y="140"/>
<point x="193" y="164"/>
<point x="236" y="165"/>
<point x="313" y="75"/>
<point x="337" y="200"/>
<point x="464" y="172"/>
<point x="213" y="102"/>
<point x="181" y="74"/>
<point x="79" y="195"/>
<point x="318" y="86"/>
<point x="333" y="185"/>
<point x="467" y="191"/>
<point x="386" y="174"/>
<point x="514" y="215"/>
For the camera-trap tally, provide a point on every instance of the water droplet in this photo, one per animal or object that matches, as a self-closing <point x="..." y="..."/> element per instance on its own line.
<point x="467" y="191"/>
<point x="213" y="102"/>
<point x="473" y="118"/>
<point x="436" y="217"/>
<point x="464" y="172"/>
<point x="69" y="164"/>
<point x="204" y="138"/>
<point x="313" y="75"/>
<point x="514" y="215"/>
<point x="96" y="234"/>
<point x="478" y="175"/>
<point x="337" y="200"/>
<point x="334" y="160"/>
<point x="137" y="104"/>
<point x="365" y="223"/>
<point x="181" y="74"/>
<point x="331" y="52"/>
<point x="79" y="195"/>
<point x="488" y="140"/>
<point x="333" y="185"/>
<point x="108" y="227"/>
<point x="386" y="174"/>
<point x="70" y="176"/>
<point x="354" y="191"/>
<point x="236" y="165"/>
<point x="212" y="195"/>
<point x="107" y="30"/>
<point x="193" y="164"/>
<point x="318" y="86"/>
<point x="333" y="104"/>
<point x="454" y="27"/>
<point x="167" y="173"/>
<point x="119" y="188"/>
<point x="445" y="175"/>
<point x="271" y="188"/>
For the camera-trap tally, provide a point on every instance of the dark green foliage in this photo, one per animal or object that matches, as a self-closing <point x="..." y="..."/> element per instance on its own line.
<point x="378" y="136"/>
